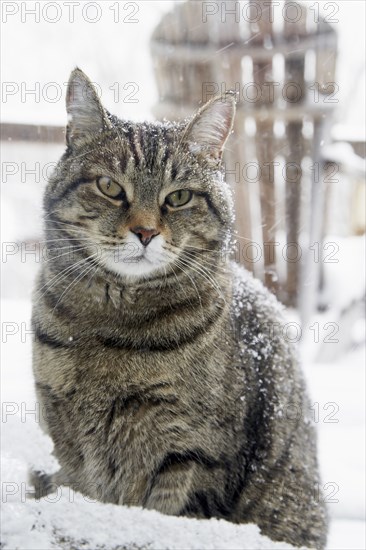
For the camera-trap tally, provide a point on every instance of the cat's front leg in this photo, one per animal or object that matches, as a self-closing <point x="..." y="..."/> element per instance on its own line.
<point x="171" y="487"/>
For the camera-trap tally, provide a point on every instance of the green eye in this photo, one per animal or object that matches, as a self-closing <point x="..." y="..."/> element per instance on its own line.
<point x="179" y="198"/>
<point x="110" y="188"/>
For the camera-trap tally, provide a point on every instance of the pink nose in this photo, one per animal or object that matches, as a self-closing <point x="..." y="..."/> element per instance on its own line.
<point x="144" y="234"/>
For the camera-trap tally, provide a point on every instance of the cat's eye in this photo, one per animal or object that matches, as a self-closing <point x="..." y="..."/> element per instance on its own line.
<point x="110" y="188"/>
<point x="179" y="198"/>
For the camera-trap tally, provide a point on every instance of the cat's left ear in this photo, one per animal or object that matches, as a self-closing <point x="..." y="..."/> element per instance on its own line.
<point x="207" y="132"/>
<point x="86" y="114"/>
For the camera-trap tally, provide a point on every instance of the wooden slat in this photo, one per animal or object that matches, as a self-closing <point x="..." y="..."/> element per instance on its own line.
<point x="311" y="272"/>
<point x="294" y="73"/>
<point x="326" y="56"/>
<point x="173" y="110"/>
<point x="264" y="139"/>
<point x="236" y="155"/>
<point x="227" y="75"/>
<point x="294" y="183"/>
<point x="31" y="132"/>
<point x="204" y="52"/>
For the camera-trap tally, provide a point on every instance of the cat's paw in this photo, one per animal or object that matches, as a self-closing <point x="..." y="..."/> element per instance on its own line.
<point x="43" y="484"/>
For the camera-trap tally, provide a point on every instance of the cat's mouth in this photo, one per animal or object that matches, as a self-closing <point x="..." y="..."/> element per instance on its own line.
<point x="135" y="259"/>
<point x="132" y="260"/>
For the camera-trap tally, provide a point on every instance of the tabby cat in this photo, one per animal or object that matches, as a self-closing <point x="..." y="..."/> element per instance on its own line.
<point x="162" y="381"/>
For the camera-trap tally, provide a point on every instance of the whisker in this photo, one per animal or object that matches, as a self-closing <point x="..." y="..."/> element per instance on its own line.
<point x="62" y="275"/>
<point x="73" y="282"/>
<point x="192" y="281"/>
<point x="191" y="255"/>
<point x="65" y="254"/>
<point x="217" y="267"/>
<point x="203" y="272"/>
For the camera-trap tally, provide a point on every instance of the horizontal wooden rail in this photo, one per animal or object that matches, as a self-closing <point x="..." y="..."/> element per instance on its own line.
<point x="32" y="132"/>
<point x="203" y="53"/>
<point x="293" y="113"/>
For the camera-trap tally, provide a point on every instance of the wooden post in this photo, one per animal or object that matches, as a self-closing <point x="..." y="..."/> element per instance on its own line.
<point x="294" y="92"/>
<point x="264" y="139"/>
<point x="226" y="33"/>
<point x="312" y="272"/>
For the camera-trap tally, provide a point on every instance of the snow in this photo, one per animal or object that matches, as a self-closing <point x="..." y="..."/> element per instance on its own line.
<point x="93" y="525"/>
<point x="346" y="263"/>
<point x="337" y="400"/>
<point x="347" y="535"/>
<point x="343" y="154"/>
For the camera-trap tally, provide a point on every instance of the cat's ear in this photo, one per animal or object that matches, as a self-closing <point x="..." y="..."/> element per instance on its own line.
<point x="86" y="115"/>
<point x="207" y="132"/>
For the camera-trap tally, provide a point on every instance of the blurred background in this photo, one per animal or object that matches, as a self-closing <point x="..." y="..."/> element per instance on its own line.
<point x="295" y="162"/>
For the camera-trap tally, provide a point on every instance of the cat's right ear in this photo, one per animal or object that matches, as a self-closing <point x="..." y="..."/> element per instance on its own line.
<point x="209" y="129"/>
<point x="86" y="115"/>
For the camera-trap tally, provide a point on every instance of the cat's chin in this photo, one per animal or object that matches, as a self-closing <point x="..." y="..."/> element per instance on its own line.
<point x="139" y="268"/>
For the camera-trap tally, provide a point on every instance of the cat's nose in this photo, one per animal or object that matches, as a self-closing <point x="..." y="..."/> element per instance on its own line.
<point x="144" y="234"/>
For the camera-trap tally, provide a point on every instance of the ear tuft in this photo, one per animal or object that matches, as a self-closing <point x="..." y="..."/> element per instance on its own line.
<point x="210" y="127"/>
<point x="86" y="115"/>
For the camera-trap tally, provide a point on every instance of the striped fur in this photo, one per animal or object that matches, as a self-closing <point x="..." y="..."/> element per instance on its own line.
<point x="167" y="388"/>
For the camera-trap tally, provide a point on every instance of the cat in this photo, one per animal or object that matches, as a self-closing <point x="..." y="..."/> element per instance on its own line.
<point x="161" y="381"/>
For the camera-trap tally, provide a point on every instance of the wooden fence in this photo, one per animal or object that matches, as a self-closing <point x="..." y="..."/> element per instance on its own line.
<point x="284" y="73"/>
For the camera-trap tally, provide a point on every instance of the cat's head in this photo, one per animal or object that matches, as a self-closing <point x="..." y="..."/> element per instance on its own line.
<point x="141" y="197"/>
